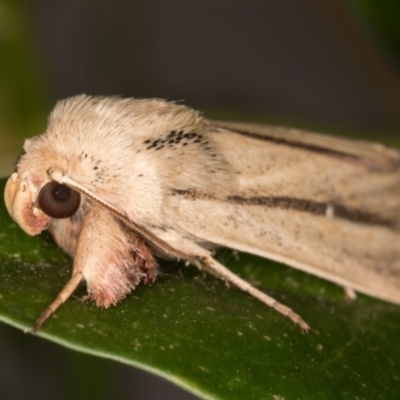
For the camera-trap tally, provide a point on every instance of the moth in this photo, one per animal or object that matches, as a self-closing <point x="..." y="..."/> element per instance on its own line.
<point x="120" y="181"/>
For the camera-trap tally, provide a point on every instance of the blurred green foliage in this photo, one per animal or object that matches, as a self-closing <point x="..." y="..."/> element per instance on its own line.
<point x="23" y="89"/>
<point x="383" y="17"/>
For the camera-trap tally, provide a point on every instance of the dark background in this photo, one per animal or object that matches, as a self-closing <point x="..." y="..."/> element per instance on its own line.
<point x="289" y="57"/>
<point x="320" y="64"/>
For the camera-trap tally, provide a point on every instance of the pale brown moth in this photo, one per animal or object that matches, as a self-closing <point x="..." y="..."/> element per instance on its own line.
<point x="118" y="181"/>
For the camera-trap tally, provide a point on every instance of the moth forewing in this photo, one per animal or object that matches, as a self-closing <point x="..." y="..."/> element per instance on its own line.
<point x="155" y="178"/>
<point x="318" y="245"/>
<point x="373" y="155"/>
<point x="330" y="212"/>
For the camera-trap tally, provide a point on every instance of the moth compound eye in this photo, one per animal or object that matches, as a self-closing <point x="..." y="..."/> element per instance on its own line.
<point x="58" y="200"/>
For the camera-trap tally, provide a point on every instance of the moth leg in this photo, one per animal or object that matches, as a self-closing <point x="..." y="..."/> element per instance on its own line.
<point x="210" y="265"/>
<point x="60" y="299"/>
<point x="111" y="260"/>
<point x="349" y="293"/>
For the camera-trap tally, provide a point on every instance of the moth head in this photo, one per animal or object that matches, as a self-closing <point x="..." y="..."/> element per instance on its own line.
<point x="32" y="198"/>
<point x="34" y="205"/>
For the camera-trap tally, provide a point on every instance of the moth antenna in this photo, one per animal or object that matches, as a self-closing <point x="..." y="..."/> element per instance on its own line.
<point x="65" y="293"/>
<point x="141" y="231"/>
<point x="212" y="266"/>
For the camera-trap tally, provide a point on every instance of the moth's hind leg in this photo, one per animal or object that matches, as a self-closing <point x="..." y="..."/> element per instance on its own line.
<point x="207" y="263"/>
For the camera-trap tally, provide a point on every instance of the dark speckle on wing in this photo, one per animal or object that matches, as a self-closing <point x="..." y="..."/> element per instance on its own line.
<point x="175" y="139"/>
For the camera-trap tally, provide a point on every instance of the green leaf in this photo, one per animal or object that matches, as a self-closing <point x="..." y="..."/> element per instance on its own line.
<point x="215" y="341"/>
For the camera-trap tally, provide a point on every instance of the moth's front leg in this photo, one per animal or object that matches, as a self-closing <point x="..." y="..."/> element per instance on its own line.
<point x="109" y="258"/>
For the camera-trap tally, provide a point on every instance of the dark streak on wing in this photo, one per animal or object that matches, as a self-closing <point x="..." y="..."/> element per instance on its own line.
<point x="298" y="145"/>
<point x="316" y="208"/>
<point x="330" y="210"/>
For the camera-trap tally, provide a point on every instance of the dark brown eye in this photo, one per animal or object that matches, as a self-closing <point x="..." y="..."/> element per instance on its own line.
<point x="58" y="200"/>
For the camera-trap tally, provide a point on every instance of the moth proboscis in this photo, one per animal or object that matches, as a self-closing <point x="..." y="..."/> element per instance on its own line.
<point x="119" y="181"/>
